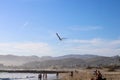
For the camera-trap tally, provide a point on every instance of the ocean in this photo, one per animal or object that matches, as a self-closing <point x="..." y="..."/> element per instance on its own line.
<point x="24" y="76"/>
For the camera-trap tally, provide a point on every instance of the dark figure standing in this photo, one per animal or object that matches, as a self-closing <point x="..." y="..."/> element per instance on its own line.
<point x="57" y="74"/>
<point x="46" y="76"/>
<point x="40" y="76"/>
<point x="71" y="74"/>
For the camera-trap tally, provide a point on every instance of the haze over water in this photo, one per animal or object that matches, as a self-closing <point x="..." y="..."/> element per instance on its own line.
<point x="22" y="76"/>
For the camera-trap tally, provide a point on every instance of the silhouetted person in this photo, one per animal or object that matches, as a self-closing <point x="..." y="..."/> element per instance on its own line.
<point x="40" y="76"/>
<point x="71" y="74"/>
<point x="57" y="75"/>
<point x="46" y="76"/>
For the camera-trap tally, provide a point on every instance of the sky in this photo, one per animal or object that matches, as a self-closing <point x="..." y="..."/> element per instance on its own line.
<point x="29" y="27"/>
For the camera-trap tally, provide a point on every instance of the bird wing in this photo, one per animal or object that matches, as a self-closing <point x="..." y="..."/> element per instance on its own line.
<point x="58" y="36"/>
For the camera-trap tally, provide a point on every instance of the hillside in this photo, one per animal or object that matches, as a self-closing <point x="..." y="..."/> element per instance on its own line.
<point x="66" y="61"/>
<point x="75" y="62"/>
<point x="14" y="60"/>
<point x="61" y="63"/>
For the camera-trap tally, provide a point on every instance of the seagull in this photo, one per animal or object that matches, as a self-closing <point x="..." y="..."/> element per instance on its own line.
<point x="59" y="37"/>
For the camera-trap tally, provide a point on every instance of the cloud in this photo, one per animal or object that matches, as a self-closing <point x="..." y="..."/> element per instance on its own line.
<point x="94" y="46"/>
<point x="29" y="48"/>
<point x="85" y="28"/>
<point x="93" y="41"/>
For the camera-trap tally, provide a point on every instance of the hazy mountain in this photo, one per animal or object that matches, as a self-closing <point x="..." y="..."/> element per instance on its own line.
<point x="61" y="63"/>
<point x="77" y="56"/>
<point x="103" y="61"/>
<point x="68" y="61"/>
<point x="19" y="60"/>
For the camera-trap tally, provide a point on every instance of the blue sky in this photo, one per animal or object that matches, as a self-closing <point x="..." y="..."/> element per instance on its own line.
<point x="28" y="27"/>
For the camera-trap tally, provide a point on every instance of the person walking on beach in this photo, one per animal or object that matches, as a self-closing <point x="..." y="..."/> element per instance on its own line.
<point x="57" y="75"/>
<point x="40" y="76"/>
<point x="46" y="76"/>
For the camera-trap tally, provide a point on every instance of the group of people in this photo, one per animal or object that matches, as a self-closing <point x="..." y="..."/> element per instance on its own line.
<point x="97" y="75"/>
<point x="44" y="76"/>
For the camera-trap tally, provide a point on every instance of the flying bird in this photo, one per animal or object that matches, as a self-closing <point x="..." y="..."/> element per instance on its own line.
<point x="59" y="37"/>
